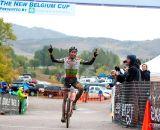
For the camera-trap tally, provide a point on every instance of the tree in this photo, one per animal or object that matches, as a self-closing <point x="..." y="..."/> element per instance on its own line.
<point x="6" y="32"/>
<point x="7" y="73"/>
<point x="102" y="70"/>
<point x="34" y="63"/>
<point x="43" y="57"/>
<point x="107" y="59"/>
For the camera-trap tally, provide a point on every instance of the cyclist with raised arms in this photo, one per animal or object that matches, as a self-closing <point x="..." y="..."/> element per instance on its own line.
<point x="71" y="65"/>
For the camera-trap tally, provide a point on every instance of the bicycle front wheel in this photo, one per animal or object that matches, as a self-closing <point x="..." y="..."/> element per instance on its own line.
<point x="68" y="113"/>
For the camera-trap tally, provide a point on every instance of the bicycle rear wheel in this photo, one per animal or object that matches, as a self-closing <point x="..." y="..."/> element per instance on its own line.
<point x="68" y="113"/>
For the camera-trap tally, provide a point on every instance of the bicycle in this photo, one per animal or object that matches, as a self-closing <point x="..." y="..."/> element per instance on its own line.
<point x="69" y="104"/>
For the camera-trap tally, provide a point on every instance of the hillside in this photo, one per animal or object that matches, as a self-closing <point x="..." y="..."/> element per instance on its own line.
<point x="31" y="39"/>
<point x="35" y="33"/>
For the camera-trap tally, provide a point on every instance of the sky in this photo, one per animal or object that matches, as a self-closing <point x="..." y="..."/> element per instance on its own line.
<point x="120" y="23"/>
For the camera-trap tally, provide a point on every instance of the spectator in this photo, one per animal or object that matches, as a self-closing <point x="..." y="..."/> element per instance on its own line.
<point x="100" y="94"/>
<point x="21" y="97"/>
<point x="125" y="66"/>
<point x="114" y="76"/>
<point x="86" y="91"/>
<point x="86" y="88"/>
<point x="12" y="92"/>
<point x="133" y="73"/>
<point x="139" y="62"/>
<point x="145" y="73"/>
<point x="130" y="95"/>
<point x="4" y="88"/>
<point x="0" y="88"/>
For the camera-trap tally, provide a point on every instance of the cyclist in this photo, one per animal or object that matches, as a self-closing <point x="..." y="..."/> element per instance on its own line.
<point x="71" y="65"/>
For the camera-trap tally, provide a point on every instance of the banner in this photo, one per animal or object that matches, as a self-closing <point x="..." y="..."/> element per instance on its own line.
<point x="31" y="7"/>
<point x="129" y="103"/>
<point x="9" y="104"/>
<point x="155" y="105"/>
<point x="131" y="3"/>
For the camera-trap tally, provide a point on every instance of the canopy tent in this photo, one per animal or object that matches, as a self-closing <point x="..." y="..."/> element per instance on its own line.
<point x="154" y="66"/>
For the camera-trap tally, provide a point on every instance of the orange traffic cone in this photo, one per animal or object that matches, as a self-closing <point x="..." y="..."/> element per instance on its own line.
<point x="147" y="117"/>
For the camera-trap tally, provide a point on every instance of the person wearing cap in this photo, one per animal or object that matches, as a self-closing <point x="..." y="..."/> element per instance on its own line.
<point x="21" y="97"/>
<point x="133" y="73"/>
<point x="71" y="66"/>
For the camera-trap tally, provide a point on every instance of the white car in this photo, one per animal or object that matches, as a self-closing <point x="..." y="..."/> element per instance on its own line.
<point x="95" y="90"/>
<point x="107" y="81"/>
<point x="27" y="78"/>
<point x="88" y="80"/>
<point x="20" y="77"/>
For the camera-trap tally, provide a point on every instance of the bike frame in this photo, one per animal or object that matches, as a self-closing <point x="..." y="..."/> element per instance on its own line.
<point x="68" y="104"/>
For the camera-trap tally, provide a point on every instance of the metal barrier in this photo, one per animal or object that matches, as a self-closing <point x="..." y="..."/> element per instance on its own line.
<point x="130" y="100"/>
<point x="9" y="104"/>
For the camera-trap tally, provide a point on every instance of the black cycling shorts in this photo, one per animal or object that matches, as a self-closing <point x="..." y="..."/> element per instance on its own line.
<point x="68" y="82"/>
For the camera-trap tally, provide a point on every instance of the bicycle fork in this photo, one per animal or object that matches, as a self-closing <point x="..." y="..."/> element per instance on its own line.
<point x="64" y="106"/>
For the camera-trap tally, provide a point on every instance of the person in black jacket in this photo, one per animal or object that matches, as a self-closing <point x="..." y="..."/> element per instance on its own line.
<point x="133" y="73"/>
<point x="129" y="92"/>
<point x="145" y="73"/>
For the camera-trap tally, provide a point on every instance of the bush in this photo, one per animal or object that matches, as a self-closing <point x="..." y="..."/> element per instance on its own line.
<point x="33" y="74"/>
<point x="46" y="71"/>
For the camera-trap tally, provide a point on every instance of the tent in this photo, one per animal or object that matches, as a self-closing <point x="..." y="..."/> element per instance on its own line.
<point x="154" y="67"/>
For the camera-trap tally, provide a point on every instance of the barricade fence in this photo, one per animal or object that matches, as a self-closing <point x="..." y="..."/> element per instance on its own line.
<point x="155" y="105"/>
<point x="9" y="104"/>
<point x="130" y="101"/>
<point x="129" y="104"/>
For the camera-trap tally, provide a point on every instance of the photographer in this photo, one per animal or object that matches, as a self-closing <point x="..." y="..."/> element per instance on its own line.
<point x="133" y="73"/>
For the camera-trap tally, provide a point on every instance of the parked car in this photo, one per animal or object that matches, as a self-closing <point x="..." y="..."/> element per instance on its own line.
<point x="41" y="87"/>
<point x="97" y="84"/>
<point x="88" y="80"/>
<point x="52" y="91"/>
<point x="33" y="91"/>
<point x="27" y="74"/>
<point x="34" y="81"/>
<point x="18" y="83"/>
<point x="35" y="88"/>
<point x="105" y="80"/>
<point x="25" y="78"/>
<point x="95" y="90"/>
<point x="20" y="77"/>
<point x="28" y="87"/>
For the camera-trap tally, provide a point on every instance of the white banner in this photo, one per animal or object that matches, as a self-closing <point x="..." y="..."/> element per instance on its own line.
<point x="131" y="3"/>
<point x="31" y="7"/>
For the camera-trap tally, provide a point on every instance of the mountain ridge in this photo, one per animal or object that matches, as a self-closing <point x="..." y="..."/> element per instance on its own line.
<point x="31" y="39"/>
